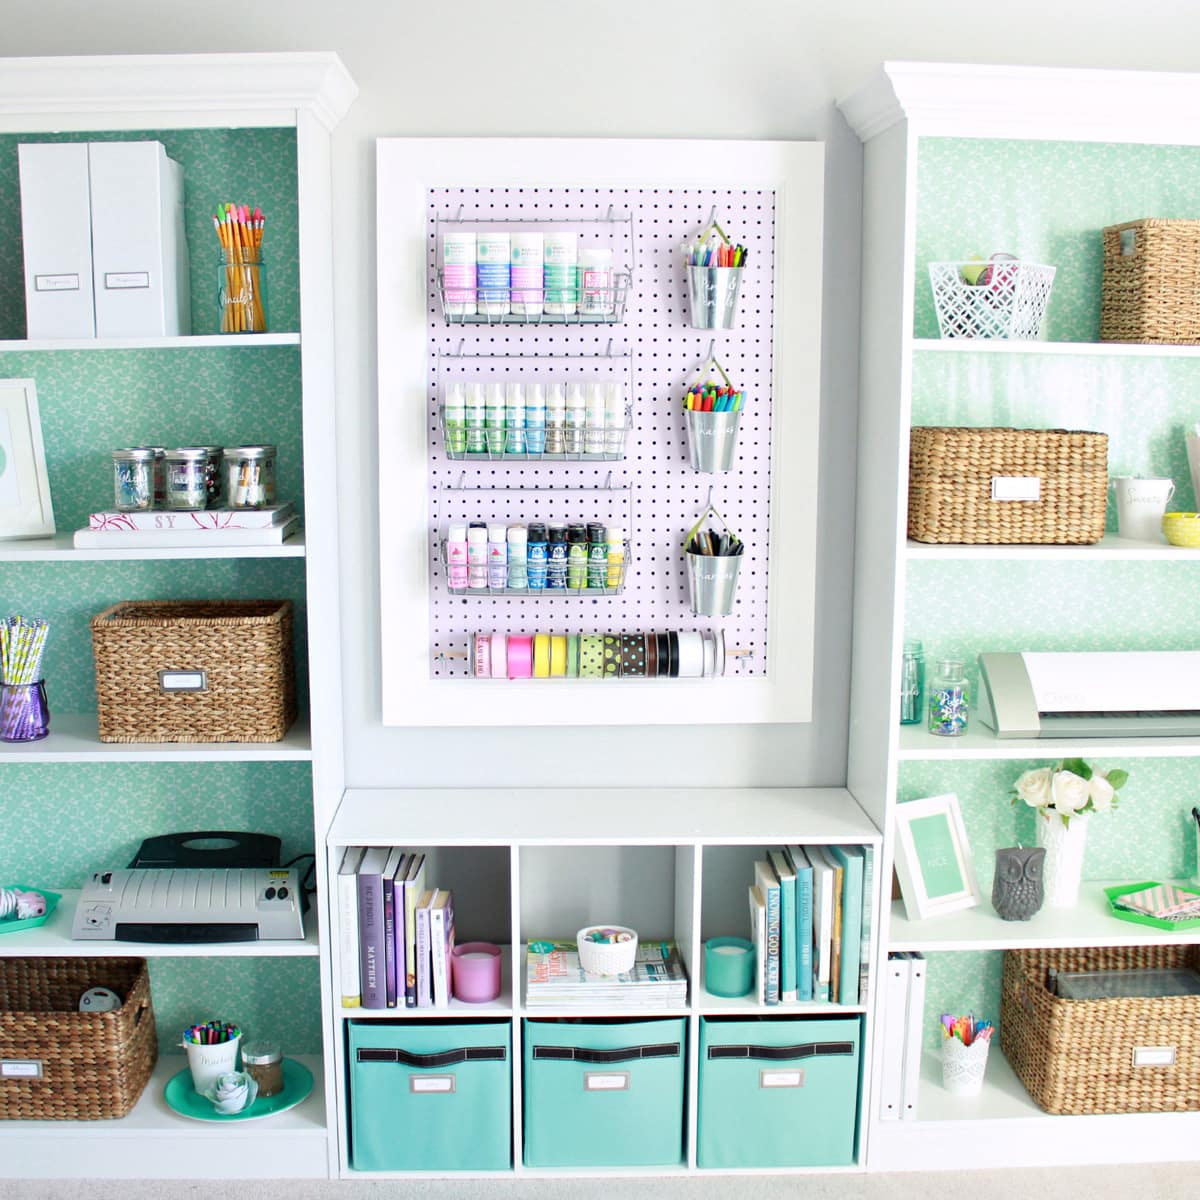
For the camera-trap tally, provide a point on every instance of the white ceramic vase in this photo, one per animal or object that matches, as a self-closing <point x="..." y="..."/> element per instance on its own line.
<point x="1064" y="846"/>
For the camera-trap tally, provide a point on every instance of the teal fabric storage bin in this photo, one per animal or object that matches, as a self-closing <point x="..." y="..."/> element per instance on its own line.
<point x="778" y="1092"/>
<point x="604" y="1094"/>
<point x="430" y="1097"/>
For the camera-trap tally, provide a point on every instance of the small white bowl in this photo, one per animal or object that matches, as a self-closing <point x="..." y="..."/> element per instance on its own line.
<point x="607" y="958"/>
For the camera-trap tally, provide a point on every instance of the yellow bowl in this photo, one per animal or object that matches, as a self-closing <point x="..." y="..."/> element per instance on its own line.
<point x="1182" y="529"/>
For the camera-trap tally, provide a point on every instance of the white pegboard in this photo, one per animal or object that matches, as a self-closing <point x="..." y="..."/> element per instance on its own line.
<point x="660" y="352"/>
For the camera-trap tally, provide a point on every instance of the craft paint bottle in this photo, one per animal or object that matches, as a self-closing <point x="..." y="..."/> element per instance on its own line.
<point x="497" y="557"/>
<point x="458" y="272"/>
<point x="577" y="557"/>
<point x="536" y="553"/>
<point x="492" y="255"/>
<point x="526" y="279"/>
<point x="535" y="418"/>
<point x="560" y="272"/>
<point x="456" y="556"/>
<point x="573" y="432"/>
<point x="596" y="280"/>
<point x="454" y="429"/>
<point x="476" y="430"/>
<point x="518" y="539"/>
<point x="477" y="576"/>
<point x="614" y="418"/>
<point x="556" y="415"/>
<point x="616" y="556"/>
<point x="556" y="559"/>
<point x="593" y="442"/>
<point x="597" y="573"/>
<point x="495" y="419"/>
<point x="514" y="419"/>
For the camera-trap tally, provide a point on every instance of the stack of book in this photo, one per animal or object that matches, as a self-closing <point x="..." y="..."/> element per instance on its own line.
<point x="395" y="933"/>
<point x="554" y="978"/>
<point x="166" y="529"/>
<point x="810" y="921"/>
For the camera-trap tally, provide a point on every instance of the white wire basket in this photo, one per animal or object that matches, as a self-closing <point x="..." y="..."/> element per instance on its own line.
<point x="1008" y="301"/>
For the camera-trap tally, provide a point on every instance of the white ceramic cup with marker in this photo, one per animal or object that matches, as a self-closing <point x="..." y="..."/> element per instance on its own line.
<point x="1141" y="503"/>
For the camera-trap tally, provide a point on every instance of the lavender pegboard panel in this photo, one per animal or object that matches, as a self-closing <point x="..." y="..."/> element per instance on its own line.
<point x="656" y="495"/>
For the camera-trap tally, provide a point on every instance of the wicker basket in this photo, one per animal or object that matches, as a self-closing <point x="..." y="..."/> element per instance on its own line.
<point x="1078" y="1056"/>
<point x="94" y="1066"/>
<point x="239" y="653"/>
<point x="953" y="474"/>
<point x="1151" y="282"/>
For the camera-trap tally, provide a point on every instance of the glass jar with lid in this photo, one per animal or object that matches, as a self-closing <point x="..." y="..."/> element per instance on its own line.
<point x="134" y="470"/>
<point x="186" y="469"/>
<point x="949" y="699"/>
<point x="249" y="476"/>
<point x="263" y="1062"/>
<point x="212" y="474"/>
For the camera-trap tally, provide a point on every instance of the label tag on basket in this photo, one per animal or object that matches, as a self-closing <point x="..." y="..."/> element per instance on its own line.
<point x="20" y="1068"/>
<point x="183" y="681"/>
<point x="780" y="1079"/>
<point x="1154" y="1056"/>
<point x="1016" y="487"/>
<point x="438" y="1084"/>
<point x="610" y="1081"/>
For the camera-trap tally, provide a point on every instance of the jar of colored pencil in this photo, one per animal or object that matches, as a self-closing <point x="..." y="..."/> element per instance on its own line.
<point x="241" y="272"/>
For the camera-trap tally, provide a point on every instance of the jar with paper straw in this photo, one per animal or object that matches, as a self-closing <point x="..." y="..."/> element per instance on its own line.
<point x="24" y="713"/>
<point x="242" y="273"/>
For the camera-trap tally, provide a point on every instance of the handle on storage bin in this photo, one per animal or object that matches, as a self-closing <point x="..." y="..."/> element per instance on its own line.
<point x="783" y="1053"/>
<point x="625" y="1054"/>
<point x="443" y="1058"/>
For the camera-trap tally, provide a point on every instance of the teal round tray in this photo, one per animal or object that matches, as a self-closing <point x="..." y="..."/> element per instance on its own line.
<point x="187" y="1102"/>
<point x="52" y="899"/>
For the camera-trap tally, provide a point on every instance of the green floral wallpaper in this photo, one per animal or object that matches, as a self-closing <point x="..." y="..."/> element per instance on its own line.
<point x="961" y="983"/>
<point x="249" y="166"/>
<point x="1045" y="202"/>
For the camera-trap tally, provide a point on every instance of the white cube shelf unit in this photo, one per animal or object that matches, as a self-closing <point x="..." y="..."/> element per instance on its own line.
<point x="970" y="160"/>
<point x="542" y="863"/>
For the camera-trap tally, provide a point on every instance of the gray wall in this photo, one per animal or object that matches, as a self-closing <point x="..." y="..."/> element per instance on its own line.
<point x="553" y="67"/>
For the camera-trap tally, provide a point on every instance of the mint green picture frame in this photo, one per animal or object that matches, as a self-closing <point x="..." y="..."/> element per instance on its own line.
<point x="933" y="858"/>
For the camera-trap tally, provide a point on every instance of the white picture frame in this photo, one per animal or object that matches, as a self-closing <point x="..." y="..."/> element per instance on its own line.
<point x="933" y="858"/>
<point x="25" y="508"/>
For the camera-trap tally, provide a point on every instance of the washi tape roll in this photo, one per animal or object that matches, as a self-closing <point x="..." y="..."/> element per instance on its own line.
<point x="572" y="656"/>
<point x="481" y="655"/>
<point x="651" y="655"/>
<point x="710" y="654"/>
<point x="499" y="655"/>
<point x="633" y="654"/>
<point x="541" y="656"/>
<point x="691" y="655"/>
<point x="612" y="655"/>
<point x="520" y="656"/>
<point x="558" y="655"/>
<point x="591" y="656"/>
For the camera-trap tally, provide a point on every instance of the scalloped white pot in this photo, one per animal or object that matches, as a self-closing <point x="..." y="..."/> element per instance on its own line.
<point x="1065" y="846"/>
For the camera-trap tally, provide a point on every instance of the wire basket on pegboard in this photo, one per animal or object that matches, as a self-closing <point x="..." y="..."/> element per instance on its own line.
<point x="1003" y="298"/>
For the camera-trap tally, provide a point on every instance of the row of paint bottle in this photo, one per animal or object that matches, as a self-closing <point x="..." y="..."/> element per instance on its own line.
<point x="519" y="559"/>
<point x="527" y="417"/>
<point x="497" y="273"/>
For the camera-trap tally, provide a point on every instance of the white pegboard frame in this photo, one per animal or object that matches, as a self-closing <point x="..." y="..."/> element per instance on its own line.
<point x="407" y="169"/>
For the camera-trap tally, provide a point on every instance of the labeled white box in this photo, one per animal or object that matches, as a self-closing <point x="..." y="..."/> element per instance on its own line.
<point x="56" y="228"/>
<point x="139" y="253"/>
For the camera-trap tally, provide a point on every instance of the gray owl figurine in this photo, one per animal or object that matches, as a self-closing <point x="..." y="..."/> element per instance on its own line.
<point x="1017" y="890"/>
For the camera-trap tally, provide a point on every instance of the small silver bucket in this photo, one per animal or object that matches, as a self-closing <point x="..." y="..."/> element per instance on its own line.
<point x="713" y="293"/>
<point x="712" y="583"/>
<point x="712" y="439"/>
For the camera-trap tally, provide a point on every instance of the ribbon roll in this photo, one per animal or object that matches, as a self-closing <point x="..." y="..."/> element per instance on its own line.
<point x="651" y="655"/>
<point x="558" y="656"/>
<point x="591" y="656"/>
<point x="633" y="654"/>
<point x="541" y="656"/>
<point x="520" y="656"/>
<point x="572" y="656"/>
<point x="481" y="655"/>
<point x="612" y="656"/>
<point x="499" y="655"/>
<point x="664" y="654"/>
<point x="691" y="655"/>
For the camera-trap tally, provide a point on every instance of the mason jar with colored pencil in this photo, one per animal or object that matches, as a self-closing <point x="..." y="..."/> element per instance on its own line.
<point x="241" y="271"/>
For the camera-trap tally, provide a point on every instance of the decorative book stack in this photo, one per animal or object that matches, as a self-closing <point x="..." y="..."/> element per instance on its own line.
<point x="208" y="527"/>
<point x="554" y="978"/>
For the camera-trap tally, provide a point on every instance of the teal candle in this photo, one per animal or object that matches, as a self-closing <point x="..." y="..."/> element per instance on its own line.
<point x="728" y="966"/>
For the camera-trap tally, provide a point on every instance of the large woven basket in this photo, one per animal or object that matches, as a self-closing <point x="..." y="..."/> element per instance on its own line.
<point x="1151" y="282"/>
<point x="93" y="1066"/>
<point x="1079" y="1056"/>
<point x="950" y="486"/>
<point x="239" y="652"/>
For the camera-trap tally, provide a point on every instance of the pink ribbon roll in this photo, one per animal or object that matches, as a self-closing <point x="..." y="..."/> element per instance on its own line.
<point x="520" y="656"/>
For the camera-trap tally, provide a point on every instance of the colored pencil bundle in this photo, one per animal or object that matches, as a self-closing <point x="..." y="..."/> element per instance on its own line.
<point x="710" y="398"/>
<point x="240" y="233"/>
<point x="704" y="254"/>
<point x="22" y="643"/>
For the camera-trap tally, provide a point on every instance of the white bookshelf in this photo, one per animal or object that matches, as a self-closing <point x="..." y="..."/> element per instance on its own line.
<point x="223" y="341"/>
<point x="61" y="549"/>
<point x="916" y="742"/>
<point x="1076" y="349"/>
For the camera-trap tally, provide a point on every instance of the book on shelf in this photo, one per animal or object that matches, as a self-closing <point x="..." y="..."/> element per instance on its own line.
<point x="758" y="935"/>
<point x="835" y="933"/>
<point x="441" y="945"/>
<point x="399" y="954"/>
<point x="370" y="927"/>
<point x="555" y="978"/>
<point x="414" y="885"/>
<point x="864" y="954"/>
<point x="347" y="902"/>
<point x="850" y="859"/>
<point x="169" y="539"/>
<point x="424" y="976"/>
<point x="781" y="864"/>
<point x="914" y="1021"/>
<point x="768" y="884"/>
<point x="387" y="883"/>
<point x="209" y="520"/>
<point x="822" y="925"/>
<point x="804" y="922"/>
